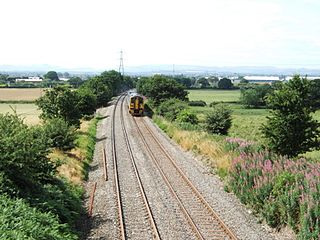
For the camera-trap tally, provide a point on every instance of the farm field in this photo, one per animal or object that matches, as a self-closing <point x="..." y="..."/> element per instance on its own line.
<point x="29" y="112"/>
<point x="245" y="122"/>
<point x="20" y="94"/>
<point x="213" y="95"/>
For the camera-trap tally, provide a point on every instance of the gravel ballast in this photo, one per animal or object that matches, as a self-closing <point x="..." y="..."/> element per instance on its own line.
<point x="170" y="221"/>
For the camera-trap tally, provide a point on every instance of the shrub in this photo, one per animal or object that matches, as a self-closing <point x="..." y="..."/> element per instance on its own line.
<point x="171" y="108"/>
<point x="23" y="155"/>
<point x="186" y="116"/>
<point x="197" y="103"/>
<point x="20" y="221"/>
<point x="60" y="133"/>
<point x="284" y="191"/>
<point x="218" y="120"/>
<point x="213" y="104"/>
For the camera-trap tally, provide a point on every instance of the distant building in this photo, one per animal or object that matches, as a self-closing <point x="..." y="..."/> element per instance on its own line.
<point x="64" y="79"/>
<point x="262" y="79"/>
<point x="29" y="79"/>
<point x="309" y="78"/>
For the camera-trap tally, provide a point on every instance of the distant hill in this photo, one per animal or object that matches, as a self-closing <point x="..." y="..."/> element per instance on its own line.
<point x="170" y="69"/>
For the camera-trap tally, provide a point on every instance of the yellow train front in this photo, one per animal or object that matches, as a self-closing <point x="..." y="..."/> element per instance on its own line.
<point x="136" y="105"/>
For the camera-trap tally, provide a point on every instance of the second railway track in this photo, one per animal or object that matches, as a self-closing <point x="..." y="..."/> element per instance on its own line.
<point x="134" y="215"/>
<point x="203" y="220"/>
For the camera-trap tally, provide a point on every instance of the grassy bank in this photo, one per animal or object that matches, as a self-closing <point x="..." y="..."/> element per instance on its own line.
<point x="50" y="207"/>
<point x="282" y="191"/>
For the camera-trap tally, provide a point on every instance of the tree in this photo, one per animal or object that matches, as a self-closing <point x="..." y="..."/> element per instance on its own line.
<point x="255" y="96"/>
<point x="290" y="129"/>
<point x="75" y="82"/>
<point x="51" y="75"/>
<point x="60" y="102"/>
<point x="203" y="82"/>
<point x="225" y="83"/>
<point x="87" y="101"/>
<point x="160" y="88"/>
<point x="101" y="90"/>
<point x="315" y="92"/>
<point x="218" y="120"/>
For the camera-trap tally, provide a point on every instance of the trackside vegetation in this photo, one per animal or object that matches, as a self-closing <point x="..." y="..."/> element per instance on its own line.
<point x="266" y="171"/>
<point x="42" y="166"/>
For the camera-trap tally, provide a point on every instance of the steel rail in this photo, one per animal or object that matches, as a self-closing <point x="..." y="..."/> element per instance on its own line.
<point x="116" y="176"/>
<point x="183" y="209"/>
<point x="156" y="234"/>
<point x="225" y="228"/>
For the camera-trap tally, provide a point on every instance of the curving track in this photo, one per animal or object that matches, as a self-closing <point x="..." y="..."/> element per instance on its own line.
<point x="134" y="214"/>
<point x="203" y="220"/>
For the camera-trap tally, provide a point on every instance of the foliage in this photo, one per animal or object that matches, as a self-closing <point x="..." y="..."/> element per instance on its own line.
<point x="23" y="156"/>
<point x="87" y="141"/>
<point x="291" y="130"/>
<point x="75" y="82"/>
<point x="160" y="88"/>
<point x="187" y="82"/>
<point x="102" y="91"/>
<point x="225" y="83"/>
<point x="284" y="191"/>
<point x="60" y="102"/>
<point x="240" y="145"/>
<point x="218" y="120"/>
<point x="203" y="82"/>
<point x="60" y="133"/>
<point x="87" y="101"/>
<point x="18" y="220"/>
<point x="186" y="116"/>
<point x="171" y="108"/>
<point x="199" y="103"/>
<point x="255" y="96"/>
<point x="315" y="93"/>
<point x="51" y="75"/>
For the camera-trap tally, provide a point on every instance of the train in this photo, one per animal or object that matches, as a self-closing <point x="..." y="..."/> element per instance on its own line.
<point x="136" y="104"/>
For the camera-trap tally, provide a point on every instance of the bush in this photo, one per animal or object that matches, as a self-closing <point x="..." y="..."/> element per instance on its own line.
<point x="20" y="221"/>
<point x="197" y="103"/>
<point x="23" y="156"/>
<point x="171" y="108"/>
<point x="213" y="104"/>
<point x="218" y="120"/>
<point x="186" y="116"/>
<point x="284" y="191"/>
<point x="60" y="133"/>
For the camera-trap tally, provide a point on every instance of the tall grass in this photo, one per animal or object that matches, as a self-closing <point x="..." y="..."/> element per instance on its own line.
<point x="200" y="142"/>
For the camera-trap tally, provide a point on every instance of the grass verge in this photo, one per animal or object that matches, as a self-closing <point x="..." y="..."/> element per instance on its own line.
<point x="201" y="143"/>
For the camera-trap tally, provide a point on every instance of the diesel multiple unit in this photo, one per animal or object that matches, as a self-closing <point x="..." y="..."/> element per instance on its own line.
<point x="136" y="104"/>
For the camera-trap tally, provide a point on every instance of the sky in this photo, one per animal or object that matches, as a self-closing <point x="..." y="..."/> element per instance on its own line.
<point x="91" y="33"/>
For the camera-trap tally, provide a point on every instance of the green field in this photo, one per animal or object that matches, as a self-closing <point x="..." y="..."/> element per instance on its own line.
<point x="211" y="95"/>
<point x="29" y="112"/>
<point x="246" y="123"/>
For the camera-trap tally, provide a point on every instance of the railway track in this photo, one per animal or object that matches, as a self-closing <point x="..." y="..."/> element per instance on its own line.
<point x="134" y="215"/>
<point x="203" y="220"/>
